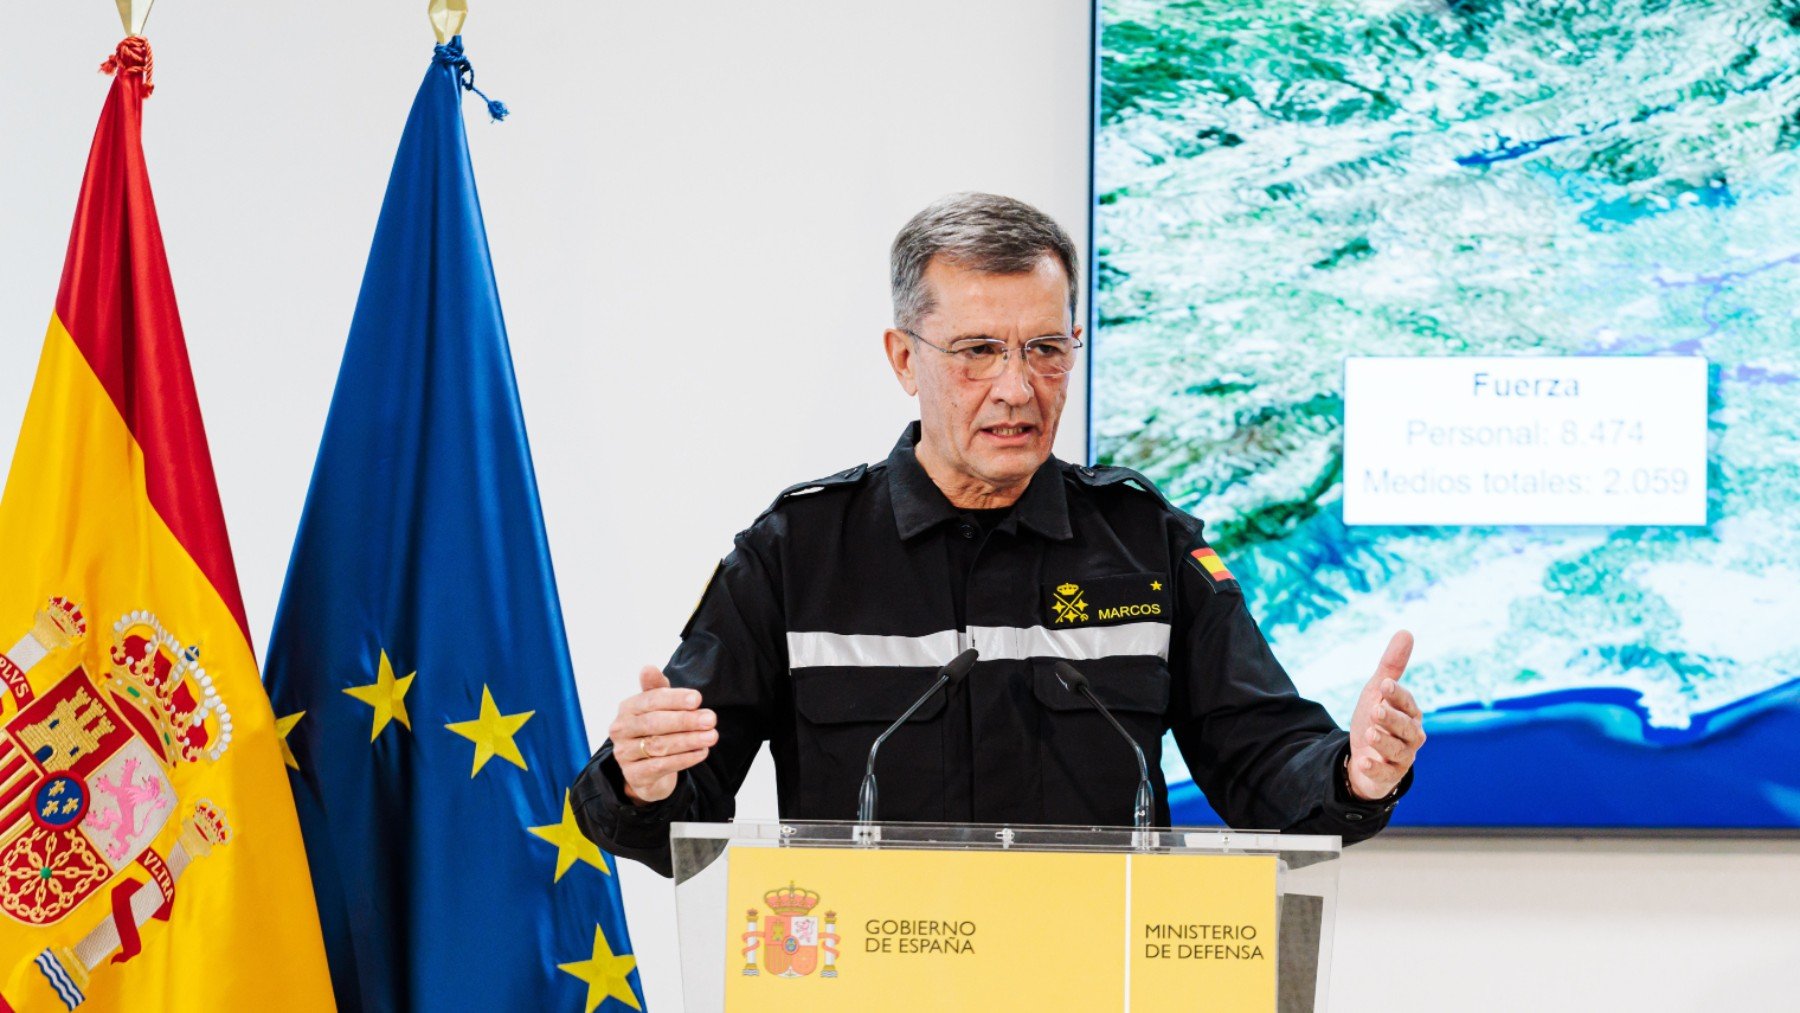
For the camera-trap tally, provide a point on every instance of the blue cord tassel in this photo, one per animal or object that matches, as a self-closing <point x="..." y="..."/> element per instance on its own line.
<point x="451" y="55"/>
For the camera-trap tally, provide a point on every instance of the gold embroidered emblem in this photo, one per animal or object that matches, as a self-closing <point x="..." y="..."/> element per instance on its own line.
<point x="1070" y="605"/>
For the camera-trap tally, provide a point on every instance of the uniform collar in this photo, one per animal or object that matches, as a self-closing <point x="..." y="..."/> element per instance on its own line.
<point x="920" y="505"/>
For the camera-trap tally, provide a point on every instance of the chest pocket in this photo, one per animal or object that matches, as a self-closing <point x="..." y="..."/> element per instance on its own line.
<point x="1089" y="774"/>
<point x="840" y="713"/>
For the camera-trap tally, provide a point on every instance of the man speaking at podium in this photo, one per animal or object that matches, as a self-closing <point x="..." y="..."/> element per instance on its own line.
<point x="837" y="609"/>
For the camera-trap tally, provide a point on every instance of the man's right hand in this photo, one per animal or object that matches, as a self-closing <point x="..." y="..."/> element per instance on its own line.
<point x="659" y="733"/>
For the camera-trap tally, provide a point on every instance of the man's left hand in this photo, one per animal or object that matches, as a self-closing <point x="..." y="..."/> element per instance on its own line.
<point x="1387" y="729"/>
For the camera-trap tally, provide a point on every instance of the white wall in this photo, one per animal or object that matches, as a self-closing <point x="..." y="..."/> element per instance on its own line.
<point x="690" y="211"/>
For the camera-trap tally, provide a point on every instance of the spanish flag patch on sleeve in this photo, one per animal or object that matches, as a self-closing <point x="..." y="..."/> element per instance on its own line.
<point x="1218" y="577"/>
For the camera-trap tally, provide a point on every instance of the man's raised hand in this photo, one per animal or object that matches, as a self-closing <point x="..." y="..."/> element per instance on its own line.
<point x="1387" y="729"/>
<point x="660" y="732"/>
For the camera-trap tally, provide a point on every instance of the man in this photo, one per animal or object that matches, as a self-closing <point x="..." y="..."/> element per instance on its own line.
<point x="836" y="608"/>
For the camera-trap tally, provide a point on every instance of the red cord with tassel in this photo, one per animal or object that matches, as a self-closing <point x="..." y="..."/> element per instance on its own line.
<point x="132" y="57"/>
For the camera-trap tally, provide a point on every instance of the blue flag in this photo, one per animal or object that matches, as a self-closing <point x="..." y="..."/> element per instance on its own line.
<point x="418" y="664"/>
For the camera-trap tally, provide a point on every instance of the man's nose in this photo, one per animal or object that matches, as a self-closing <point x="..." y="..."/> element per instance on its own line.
<point x="1013" y="385"/>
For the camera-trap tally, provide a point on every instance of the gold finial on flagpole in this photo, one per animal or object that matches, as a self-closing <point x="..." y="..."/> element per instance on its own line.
<point x="447" y="17"/>
<point x="133" y="14"/>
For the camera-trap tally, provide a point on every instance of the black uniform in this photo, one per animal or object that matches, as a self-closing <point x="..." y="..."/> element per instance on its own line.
<point x="835" y="609"/>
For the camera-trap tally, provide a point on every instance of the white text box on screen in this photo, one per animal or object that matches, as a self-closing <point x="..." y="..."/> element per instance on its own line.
<point x="1606" y="440"/>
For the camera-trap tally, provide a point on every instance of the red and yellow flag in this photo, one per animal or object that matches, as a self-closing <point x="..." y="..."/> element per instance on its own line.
<point x="1211" y="563"/>
<point x="150" y="857"/>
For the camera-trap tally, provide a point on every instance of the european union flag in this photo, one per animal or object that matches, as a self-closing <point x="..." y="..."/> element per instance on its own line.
<point x="418" y="665"/>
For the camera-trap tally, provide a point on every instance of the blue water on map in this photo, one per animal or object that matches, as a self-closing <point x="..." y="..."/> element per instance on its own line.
<point x="1586" y="758"/>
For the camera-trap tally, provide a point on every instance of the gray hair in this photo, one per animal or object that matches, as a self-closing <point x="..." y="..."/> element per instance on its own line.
<point x="981" y="231"/>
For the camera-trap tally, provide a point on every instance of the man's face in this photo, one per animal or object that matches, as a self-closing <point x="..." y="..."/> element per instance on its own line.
<point x="985" y="435"/>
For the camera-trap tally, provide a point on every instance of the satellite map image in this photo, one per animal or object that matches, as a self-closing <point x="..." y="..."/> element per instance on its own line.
<point x="1282" y="186"/>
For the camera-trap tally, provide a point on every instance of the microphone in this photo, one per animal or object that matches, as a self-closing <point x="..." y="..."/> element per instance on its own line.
<point x="1075" y="682"/>
<point x="948" y="675"/>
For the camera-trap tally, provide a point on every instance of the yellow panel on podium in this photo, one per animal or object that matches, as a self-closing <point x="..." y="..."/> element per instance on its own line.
<point x="1203" y="925"/>
<point x="909" y="923"/>
<point x="876" y="917"/>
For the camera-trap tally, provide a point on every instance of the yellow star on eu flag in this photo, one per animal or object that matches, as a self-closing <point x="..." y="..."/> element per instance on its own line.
<point x="605" y="974"/>
<point x="387" y="695"/>
<point x="571" y="843"/>
<point x="492" y="732"/>
<point x="282" y="727"/>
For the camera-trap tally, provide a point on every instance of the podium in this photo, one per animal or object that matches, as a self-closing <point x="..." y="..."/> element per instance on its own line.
<point x="908" y="916"/>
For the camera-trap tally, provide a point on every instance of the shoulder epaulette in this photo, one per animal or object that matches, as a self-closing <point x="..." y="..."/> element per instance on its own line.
<point x="847" y="477"/>
<point x="1107" y="475"/>
<point x="1126" y="478"/>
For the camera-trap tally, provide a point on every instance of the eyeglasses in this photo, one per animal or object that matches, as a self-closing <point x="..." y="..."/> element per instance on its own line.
<point x="1051" y="356"/>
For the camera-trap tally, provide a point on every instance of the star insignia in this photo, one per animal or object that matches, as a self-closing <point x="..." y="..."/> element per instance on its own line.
<point x="1156" y="585"/>
<point x="387" y="695"/>
<point x="606" y="975"/>
<point x="492" y="732"/>
<point x="571" y="843"/>
<point x="282" y="727"/>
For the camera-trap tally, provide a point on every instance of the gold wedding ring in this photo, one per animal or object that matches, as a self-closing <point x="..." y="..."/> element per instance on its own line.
<point x="643" y="749"/>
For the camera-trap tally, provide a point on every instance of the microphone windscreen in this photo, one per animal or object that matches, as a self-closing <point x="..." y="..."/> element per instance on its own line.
<point x="959" y="666"/>
<point x="1072" y="680"/>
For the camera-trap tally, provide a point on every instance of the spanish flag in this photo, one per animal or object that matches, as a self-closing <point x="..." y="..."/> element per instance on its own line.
<point x="150" y="858"/>
<point x="1207" y="561"/>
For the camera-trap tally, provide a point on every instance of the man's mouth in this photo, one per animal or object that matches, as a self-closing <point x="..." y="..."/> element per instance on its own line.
<point x="1011" y="431"/>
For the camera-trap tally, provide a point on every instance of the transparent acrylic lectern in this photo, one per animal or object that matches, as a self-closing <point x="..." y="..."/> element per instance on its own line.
<point x="983" y="917"/>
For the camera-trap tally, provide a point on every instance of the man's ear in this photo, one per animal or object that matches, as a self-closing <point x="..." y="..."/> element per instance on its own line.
<point x="900" y="357"/>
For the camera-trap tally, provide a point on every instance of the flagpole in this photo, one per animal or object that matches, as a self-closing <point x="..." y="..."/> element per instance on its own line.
<point x="447" y="17"/>
<point x="133" y="14"/>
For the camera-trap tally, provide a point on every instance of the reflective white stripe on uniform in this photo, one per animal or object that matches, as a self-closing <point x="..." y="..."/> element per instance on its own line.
<point x="870" y="650"/>
<point x="1086" y="643"/>
<point x="996" y="643"/>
